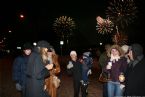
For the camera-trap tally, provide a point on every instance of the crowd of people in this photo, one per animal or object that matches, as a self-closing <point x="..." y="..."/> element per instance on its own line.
<point x="35" y="70"/>
<point x="124" y="67"/>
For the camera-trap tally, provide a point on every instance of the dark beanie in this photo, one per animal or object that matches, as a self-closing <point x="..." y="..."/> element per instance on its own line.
<point x="27" y="46"/>
<point x="43" y="44"/>
<point x="137" y="49"/>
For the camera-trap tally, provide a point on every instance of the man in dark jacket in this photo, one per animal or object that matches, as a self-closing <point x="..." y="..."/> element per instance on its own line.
<point x="135" y="75"/>
<point x="37" y="70"/>
<point x="75" y="68"/>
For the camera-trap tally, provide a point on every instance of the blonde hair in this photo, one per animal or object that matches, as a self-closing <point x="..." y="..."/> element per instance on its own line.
<point x="117" y="47"/>
<point x="44" y="55"/>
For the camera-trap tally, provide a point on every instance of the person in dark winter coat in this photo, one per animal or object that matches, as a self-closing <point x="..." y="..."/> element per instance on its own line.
<point x="74" y="68"/>
<point x="37" y="70"/>
<point x="19" y="68"/>
<point x="87" y="64"/>
<point x="135" y="74"/>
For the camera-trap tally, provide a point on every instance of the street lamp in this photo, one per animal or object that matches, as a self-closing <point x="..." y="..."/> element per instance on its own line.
<point x="21" y="16"/>
<point x="101" y="43"/>
<point x="34" y="43"/>
<point x="10" y="31"/>
<point x="61" y="44"/>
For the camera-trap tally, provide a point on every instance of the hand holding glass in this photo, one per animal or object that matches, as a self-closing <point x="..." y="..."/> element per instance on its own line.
<point x="49" y="66"/>
<point x="109" y="65"/>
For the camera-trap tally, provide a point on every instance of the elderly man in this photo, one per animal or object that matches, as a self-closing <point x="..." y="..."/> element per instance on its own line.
<point x="74" y="68"/>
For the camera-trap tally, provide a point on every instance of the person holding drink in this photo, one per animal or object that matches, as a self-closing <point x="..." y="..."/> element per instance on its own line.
<point x="116" y="67"/>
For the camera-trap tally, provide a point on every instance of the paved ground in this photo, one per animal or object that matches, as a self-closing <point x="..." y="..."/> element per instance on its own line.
<point x="7" y="87"/>
<point x="66" y="89"/>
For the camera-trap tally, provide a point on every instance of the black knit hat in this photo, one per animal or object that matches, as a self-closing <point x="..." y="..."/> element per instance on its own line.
<point x="27" y="46"/>
<point x="137" y="49"/>
<point x="43" y="44"/>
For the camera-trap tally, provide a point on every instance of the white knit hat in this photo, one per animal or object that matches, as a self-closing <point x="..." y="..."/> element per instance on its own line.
<point x="73" y="53"/>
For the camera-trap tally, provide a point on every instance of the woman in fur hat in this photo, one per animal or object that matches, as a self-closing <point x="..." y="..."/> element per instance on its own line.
<point x="116" y="66"/>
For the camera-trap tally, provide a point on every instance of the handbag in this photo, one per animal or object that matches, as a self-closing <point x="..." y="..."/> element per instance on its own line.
<point x="103" y="77"/>
<point x="56" y="81"/>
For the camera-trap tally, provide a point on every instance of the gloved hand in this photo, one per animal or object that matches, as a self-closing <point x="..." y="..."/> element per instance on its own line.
<point x="122" y="86"/>
<point x="70" y="65"/>
<point x="89" y="72"/>
<point x="18" y="87"/>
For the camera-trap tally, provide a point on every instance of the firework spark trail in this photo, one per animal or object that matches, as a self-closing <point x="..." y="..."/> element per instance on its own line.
<point x="104" y="25"/>
<point x="122" y="12"/>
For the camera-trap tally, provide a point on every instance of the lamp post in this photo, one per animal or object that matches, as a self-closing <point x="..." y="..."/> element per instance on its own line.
<point x="61" y="44"/>
<point x="34" y="43"/>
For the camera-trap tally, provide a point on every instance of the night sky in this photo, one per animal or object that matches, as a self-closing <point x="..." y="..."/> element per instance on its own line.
<point x="40" y="16"/>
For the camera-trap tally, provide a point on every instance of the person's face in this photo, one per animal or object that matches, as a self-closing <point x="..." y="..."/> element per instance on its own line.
<point x="107" y="47"/>
<point x="27" y="51"/>
<point x="114" y="52"/>
<point x="73" y="57"/>
<point x="49" y="53"/>
<point x="130" y="55"/>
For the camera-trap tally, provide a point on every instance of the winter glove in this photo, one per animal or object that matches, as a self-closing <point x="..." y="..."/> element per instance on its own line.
<point x="18" y="87"/>
<point x="70" y="65"/>
<point x="89" y="72"/>
<point x="122" y="86"/>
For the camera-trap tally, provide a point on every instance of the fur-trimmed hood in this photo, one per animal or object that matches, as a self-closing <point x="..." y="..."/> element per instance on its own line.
<point x="117" y="47"/>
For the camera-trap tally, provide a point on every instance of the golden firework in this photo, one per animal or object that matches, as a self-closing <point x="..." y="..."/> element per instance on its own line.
<point x="104" y="25"/>
<point x="121" y="12"/>
<point x="64" y="26"/>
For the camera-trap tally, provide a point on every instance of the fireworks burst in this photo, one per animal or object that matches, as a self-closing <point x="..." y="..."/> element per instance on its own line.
<point x="64" y="26"/>
<point x="104" y="25"/>
<point x="120" y="38"/>
<point x="121" y="12"/>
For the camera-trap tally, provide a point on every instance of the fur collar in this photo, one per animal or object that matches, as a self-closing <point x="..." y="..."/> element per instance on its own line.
<point x="114" y="58"/>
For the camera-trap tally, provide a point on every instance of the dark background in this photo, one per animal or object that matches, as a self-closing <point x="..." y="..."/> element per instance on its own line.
<point x="40" y="16"/>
